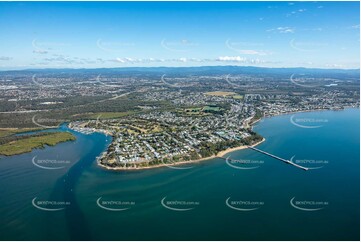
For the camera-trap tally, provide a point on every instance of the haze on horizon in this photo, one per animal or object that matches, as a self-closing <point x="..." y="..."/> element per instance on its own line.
<point x="176" y="34"/>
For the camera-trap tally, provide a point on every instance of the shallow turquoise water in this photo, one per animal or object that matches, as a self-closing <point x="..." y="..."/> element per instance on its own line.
<point x="207" y="185"/>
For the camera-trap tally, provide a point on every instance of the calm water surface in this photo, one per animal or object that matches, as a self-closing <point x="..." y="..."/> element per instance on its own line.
<point x="261" y="197"/>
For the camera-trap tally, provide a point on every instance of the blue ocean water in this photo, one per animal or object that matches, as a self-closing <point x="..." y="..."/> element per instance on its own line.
<point x="262" y="198"/>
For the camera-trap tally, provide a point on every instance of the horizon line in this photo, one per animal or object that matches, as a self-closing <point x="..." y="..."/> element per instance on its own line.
<point x="149" y="67"/>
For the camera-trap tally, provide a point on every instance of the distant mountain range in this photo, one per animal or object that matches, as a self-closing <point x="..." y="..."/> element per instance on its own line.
<point x="193" y="70"/>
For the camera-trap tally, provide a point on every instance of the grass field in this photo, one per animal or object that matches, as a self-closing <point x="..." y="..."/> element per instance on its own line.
<point x="28" y="144"/>
<point x="240" y="97"/>
<point x="110" y="115"/>
<point x="200" y="111"/>
<point x="208" y="108"/>
<point x="193" y="111"/>
<point x="147" y="130"/>
<point x="220" y="94"/>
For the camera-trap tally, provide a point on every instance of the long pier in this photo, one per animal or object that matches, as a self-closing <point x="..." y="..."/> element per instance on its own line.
<point x="278" y="158"/>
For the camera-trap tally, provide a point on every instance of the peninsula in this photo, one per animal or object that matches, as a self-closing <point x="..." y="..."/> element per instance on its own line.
<point x="15" y="145"/>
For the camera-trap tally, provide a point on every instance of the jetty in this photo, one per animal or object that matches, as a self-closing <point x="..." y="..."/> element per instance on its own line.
<point x="278" y="158"/>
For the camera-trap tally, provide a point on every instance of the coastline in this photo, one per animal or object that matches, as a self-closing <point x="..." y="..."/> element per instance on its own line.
<point x="306" y="111"/>
<point x="229" y="150"/>
<point x="175" y="165"/>
<point x="31" y="143"/>
<point x="219" y="154"/>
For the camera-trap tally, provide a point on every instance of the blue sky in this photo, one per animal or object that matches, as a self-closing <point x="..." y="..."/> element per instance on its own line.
<point x="126" y="34"/>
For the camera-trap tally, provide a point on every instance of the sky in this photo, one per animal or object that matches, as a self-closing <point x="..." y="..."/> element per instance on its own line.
<point x="137" y="34"/>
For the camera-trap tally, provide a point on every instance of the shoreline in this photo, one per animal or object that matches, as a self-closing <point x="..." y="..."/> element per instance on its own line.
<point x="178" y="164"/>
<point x="219" y="154"/>
<point x="26" y="145"/>
<point x="307" y="111"/>
<point x="301" y="111"/>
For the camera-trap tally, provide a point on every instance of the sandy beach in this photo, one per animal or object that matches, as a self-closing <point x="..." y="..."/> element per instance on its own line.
<point x="179" y="164"/>
<point x="224" y="152"/>
<point x="220" y="154"/>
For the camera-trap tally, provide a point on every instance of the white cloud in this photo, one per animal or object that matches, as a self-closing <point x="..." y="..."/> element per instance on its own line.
<point x="282" y="30"/>
<point x="253" y="52"/>
<point x="183" y="45"/>
<point x="237" y="59"/>
<point x="301" y="10"/>
<point x="335" y="65"/>
<point x="125" y="60"/>
<point x="311" y="29"/>
<point x="5" y="58"/>
<point x="63" y="60"/>
<point x="135" y="60"/>
<point x="242" y="48"/>
<point x="131" y="60"/>
<point x="119" y="60"/>
<point x="38" y="51"/>
<point x="356" y="26"/>
<point x="285" y="30"/>
<point x="58" y="59"/>
<point x="231" y="58"/>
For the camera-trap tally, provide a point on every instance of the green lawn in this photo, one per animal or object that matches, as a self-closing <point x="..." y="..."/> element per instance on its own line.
<point x="208" y="108"/>
<point x="240" y="97"/>
<point x="110" y="115"/>
<point x="220" y="93"/>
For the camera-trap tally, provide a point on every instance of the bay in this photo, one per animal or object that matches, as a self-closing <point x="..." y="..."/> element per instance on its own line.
<point x="325" y="140"/>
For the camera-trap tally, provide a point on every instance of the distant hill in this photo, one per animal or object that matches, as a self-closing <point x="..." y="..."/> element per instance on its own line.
<point x="192" y="70"/>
